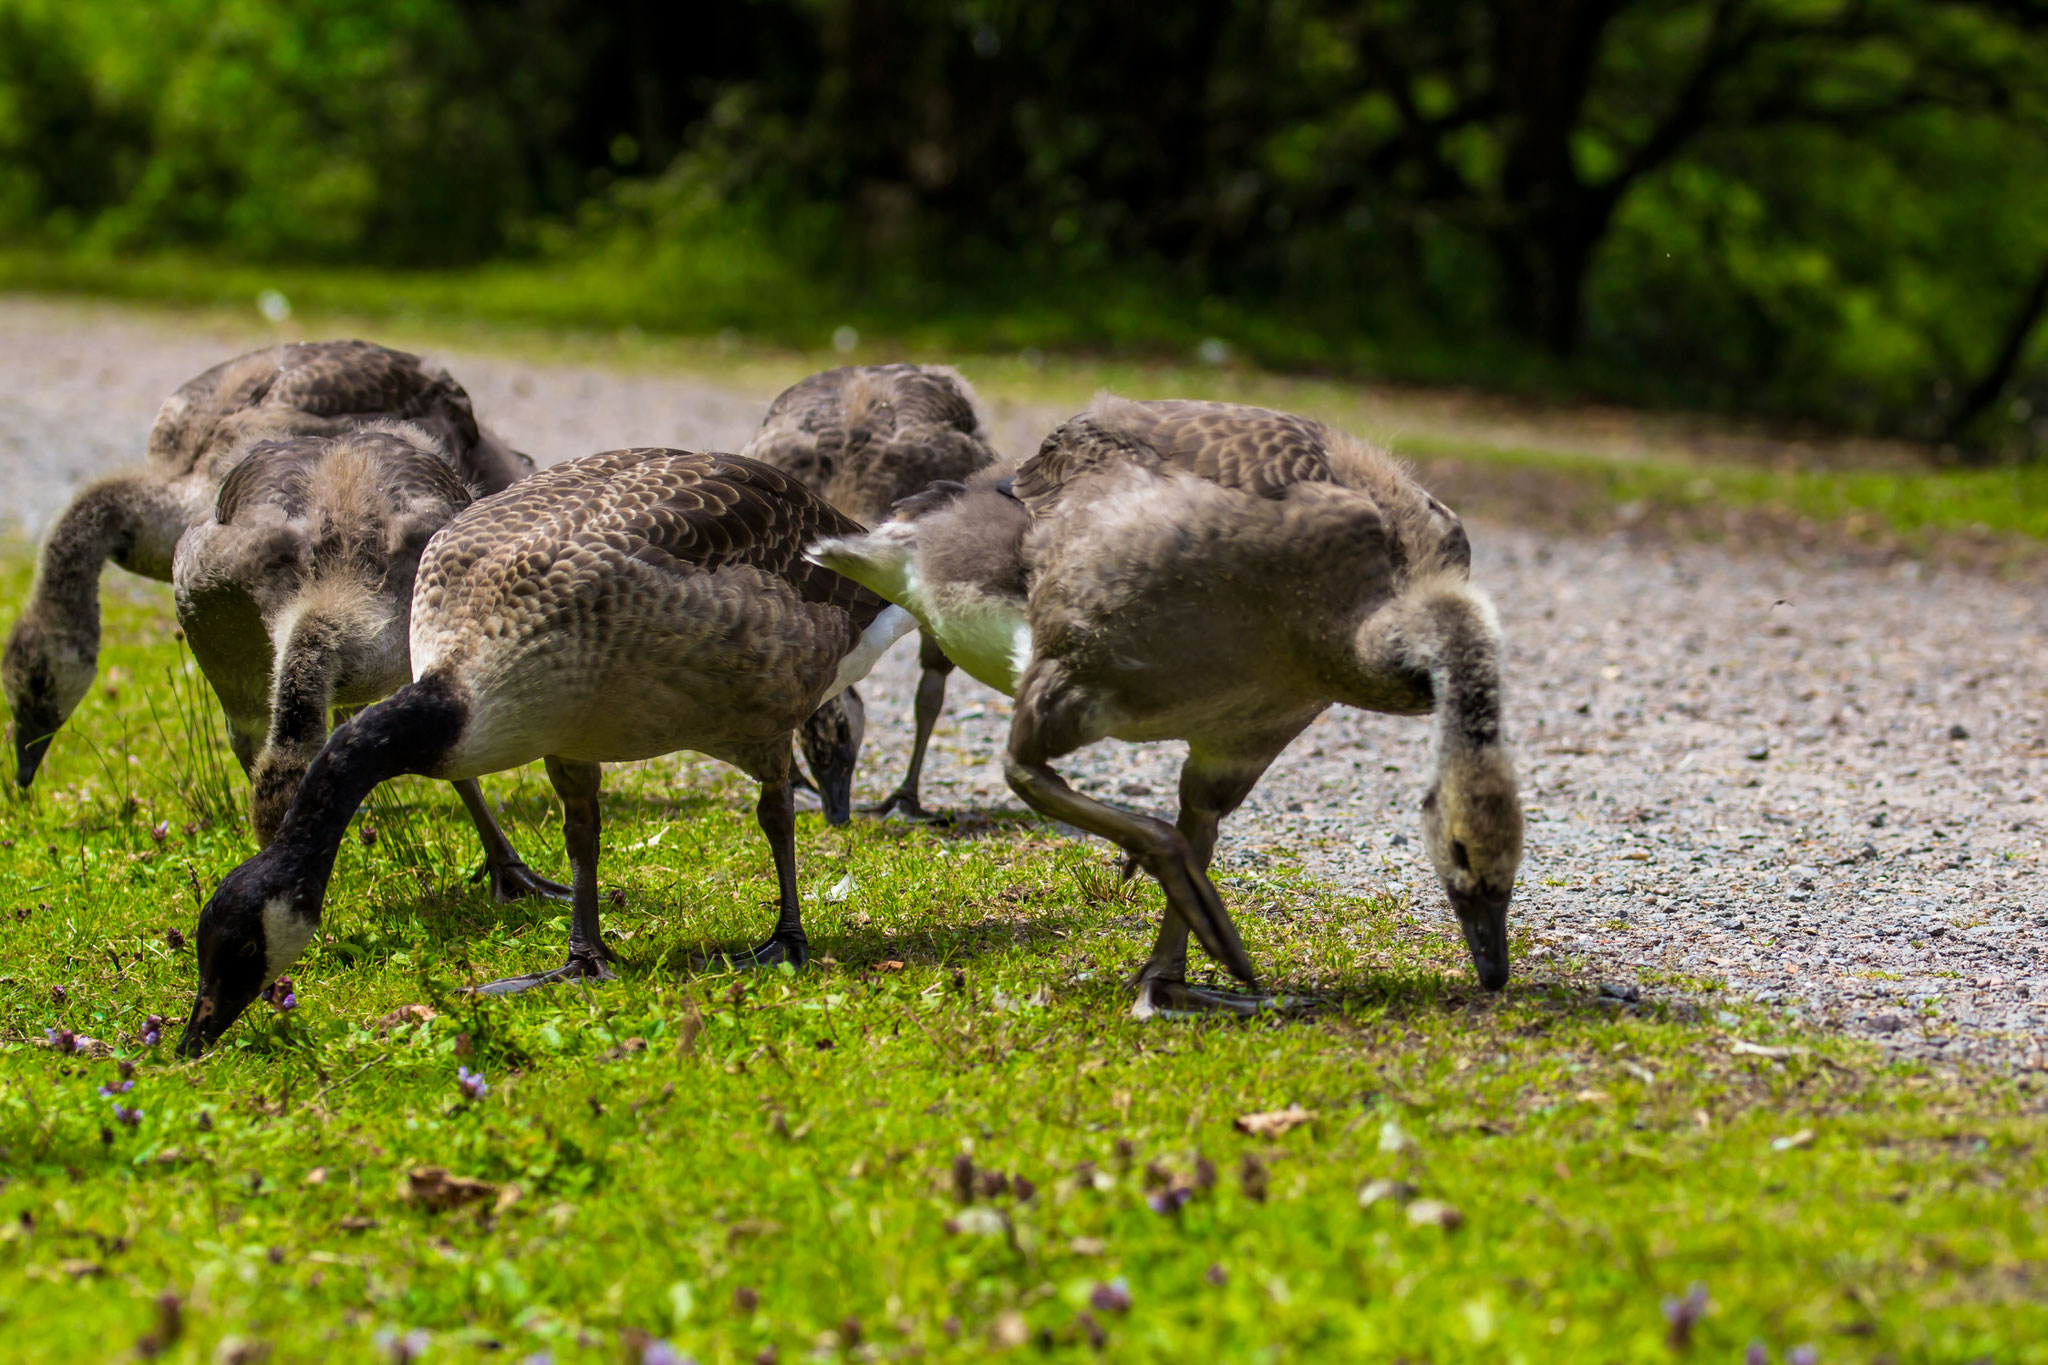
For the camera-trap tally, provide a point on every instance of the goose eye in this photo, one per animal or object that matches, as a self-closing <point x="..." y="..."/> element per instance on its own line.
<point x="1458" y="855"/>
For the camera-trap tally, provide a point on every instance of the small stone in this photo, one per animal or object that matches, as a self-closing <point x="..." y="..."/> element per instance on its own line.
<point x="1759" y="753"/>
<point x="1958" y="732"/>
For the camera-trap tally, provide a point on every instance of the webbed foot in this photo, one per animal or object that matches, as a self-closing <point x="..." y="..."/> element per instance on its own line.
<point x="1161" y="998"/>
<point x="795" y="951"/>
<point x="904" y="802"/>
<point x="579" y="966"/>
<point x="514" y="881"/>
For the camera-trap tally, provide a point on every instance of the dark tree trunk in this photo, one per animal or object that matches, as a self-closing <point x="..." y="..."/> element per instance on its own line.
<point x="1551" y="220"/>
<point x="1979" y="397"/>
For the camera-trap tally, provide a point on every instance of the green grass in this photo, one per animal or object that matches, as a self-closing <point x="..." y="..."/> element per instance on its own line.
<point x="739" y="1164"/>
<point x="598" y="311"/>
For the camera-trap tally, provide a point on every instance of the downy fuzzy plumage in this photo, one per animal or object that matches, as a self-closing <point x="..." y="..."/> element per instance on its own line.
<point x="1220" y="575"/>
<point x="320" y="388"/>
<point x="612" y="608"/>
<point x="864" y="438"/>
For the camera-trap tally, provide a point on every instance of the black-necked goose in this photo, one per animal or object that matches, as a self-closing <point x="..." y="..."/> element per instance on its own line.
<point x="1216" y="574"/>
<point x="318" y="388"/>
<point x="865" y="437"/>
<point x="294" y="596"/>
<point x="617" y="607"/>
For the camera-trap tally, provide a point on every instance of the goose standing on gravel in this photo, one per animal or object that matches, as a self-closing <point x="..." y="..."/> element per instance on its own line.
<point x="320" y="388"/>
<point x="612" y="608"/>
<point x="864" y="437"/>
<point x="294" y="597"/>
<point x="1220" y="575"/>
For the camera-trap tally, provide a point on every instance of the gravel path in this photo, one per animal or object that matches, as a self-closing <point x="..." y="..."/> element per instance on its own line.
<point x="1821" y="785"/>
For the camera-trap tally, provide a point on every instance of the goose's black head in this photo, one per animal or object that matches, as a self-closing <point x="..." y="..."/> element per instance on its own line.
<point x="249" y="933"/>
<point x="831" y="744"/>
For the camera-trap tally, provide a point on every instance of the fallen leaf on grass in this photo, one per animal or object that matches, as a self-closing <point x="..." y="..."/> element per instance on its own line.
<point x="979" y="1221"/>
<point x="630" y="1045"/>
<point x="1087" y="1246"/>
<point x="1425" y="1213"/>
<point x="432" y="1188"/>
<point x="404" y="1014"/>
<point x="1802" y="1138"/>
<point x="1274" y="1122"/>
<point x="357" y="1222"/>
<point x="81" y="1270"/>
<point x="316" y="1176"/>
<point x="892" y="965"/>
<point x="1374" y="1191"/>
<point x="1592" y="1097"/>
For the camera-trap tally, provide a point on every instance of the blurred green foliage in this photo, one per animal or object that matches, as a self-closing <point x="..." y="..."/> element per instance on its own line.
<point x="1818" y="208"/>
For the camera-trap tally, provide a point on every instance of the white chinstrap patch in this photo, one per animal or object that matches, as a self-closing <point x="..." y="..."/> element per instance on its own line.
<point x="286" y="933"/>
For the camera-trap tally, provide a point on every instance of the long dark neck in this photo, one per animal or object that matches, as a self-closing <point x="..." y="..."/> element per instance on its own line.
<point x="411" y="731"/>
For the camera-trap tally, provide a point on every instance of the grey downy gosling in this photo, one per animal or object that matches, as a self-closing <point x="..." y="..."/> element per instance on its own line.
<point x="864" y="437"/>
<point x="1220" y="575"/>
<point x="319" y="388"/>
<point x="294" y="596"/>
<point x="613" y="608"/>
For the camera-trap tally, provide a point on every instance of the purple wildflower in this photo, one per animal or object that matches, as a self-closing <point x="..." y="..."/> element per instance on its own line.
<point x="127" y="1068"/>
<point x="1802" y="1355"/>
<point x="160" y="831"/>
<point x="1169" y="1200"/>
<point x="659" y="1352"/>
<point x="280" y="995"/>
<point x="61" y="1039"/>
<point x="405" y="1349"/>
<point x="1114" y="1297"/>
<point x="113" y="1088"/>
<point x="126" y="1117"/>
<point x="173" y="938"/>
<point x="1684" y="1314"/>
<point x="1757" y="1354"/>
<point x="471" y="1083"/>
<point x="153" y="1030"/>
<point x="58" y="994"/>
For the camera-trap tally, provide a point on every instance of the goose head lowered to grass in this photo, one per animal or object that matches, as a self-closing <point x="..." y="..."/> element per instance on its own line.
<point x="612" y="608"/>
<point x="1220" y="575"/>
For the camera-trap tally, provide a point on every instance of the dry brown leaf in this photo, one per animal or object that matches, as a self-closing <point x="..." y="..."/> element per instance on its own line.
<point x="81" y="1269"/>
<point x="1275" y="1122"/>
<point x="355" y="1222"/>
<point x="629" y="1046"/>
<point x="316" y="1176"/>
<point x="404" y="1014"/>
<point x="892" y="965"/>
<point x="433" y="1188"/>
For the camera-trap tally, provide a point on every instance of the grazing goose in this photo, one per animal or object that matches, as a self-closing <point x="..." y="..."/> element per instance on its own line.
<point x="617" y="607"/>
<point x="1220" y="575"/>
<point x="294" y="596"/>
<point x="864" y="437"/>
<point x="318" y="388"/>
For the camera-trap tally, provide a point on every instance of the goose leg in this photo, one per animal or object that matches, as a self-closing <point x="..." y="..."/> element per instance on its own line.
<point x="776" y="811"/>
<point x="577" y="784"/>
<point x="1047" y="724"/>
<point x="510" y="878"/>
<point x="1210" y="789"/>
<point x="931" y="699"/>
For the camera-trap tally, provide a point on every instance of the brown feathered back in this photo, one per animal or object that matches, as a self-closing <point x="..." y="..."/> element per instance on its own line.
<point x="323" y="388"/>
<point x="864" y="436"/>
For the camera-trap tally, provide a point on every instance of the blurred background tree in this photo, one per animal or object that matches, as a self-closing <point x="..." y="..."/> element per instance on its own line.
<point x="1826" y="209"/>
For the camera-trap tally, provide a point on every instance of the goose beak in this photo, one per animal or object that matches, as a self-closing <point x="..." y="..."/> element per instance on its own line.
<point x="29" y="752"/>
<point x="203" y="1026"/>
<point x="1485" y="922"/>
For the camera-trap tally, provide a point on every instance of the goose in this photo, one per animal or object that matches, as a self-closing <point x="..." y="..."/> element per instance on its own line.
<point x="294" y="596"/>
<point x="611" y="608"/>
<point x="864" y="437"/>
<point x="136" y="518"/>
<point x="1216" y="574"/>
